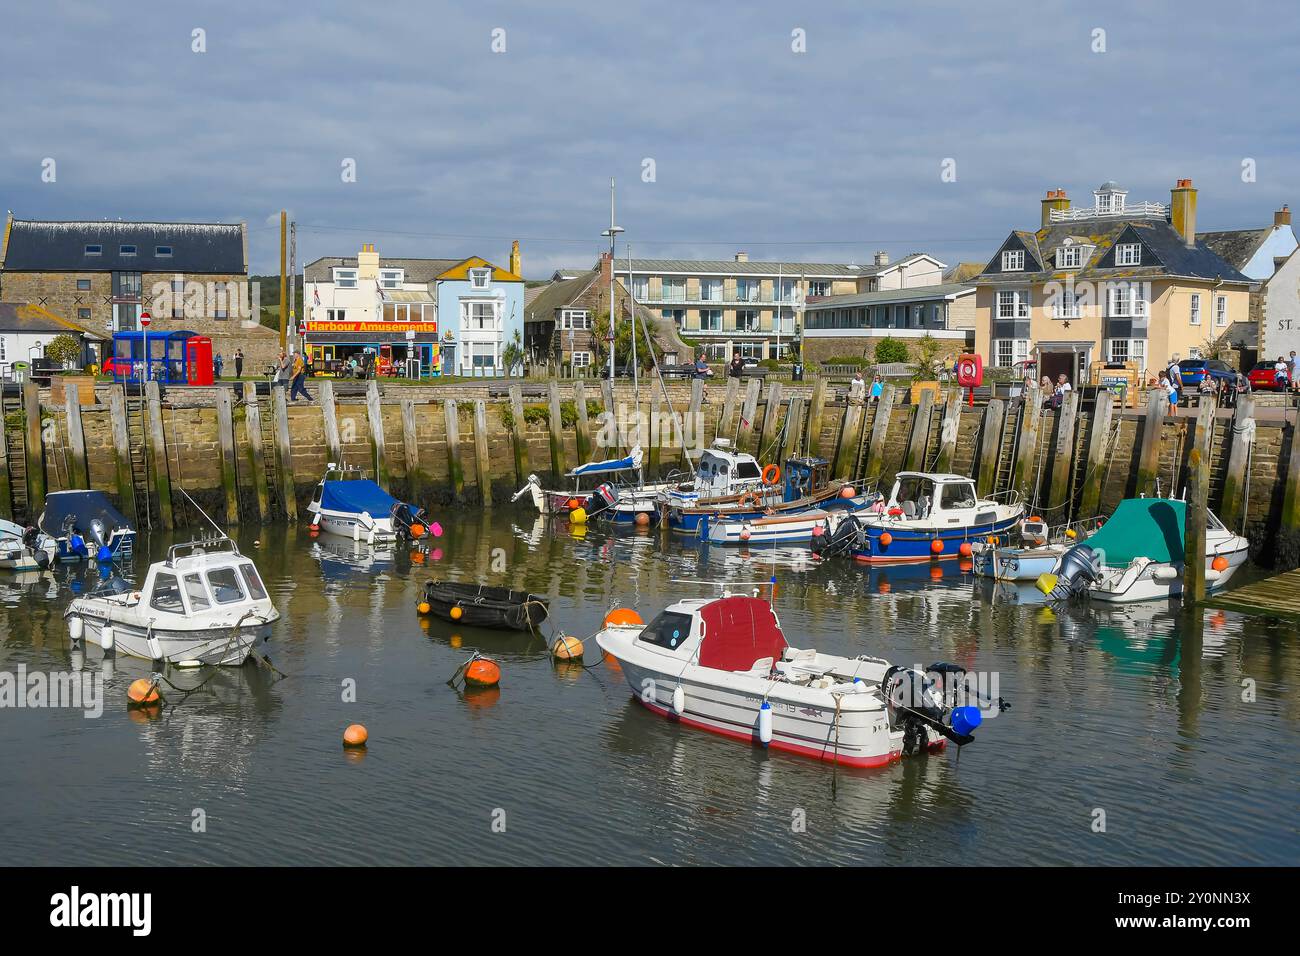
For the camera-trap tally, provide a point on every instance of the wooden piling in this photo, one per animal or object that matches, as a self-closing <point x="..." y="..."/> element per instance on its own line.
<point x="792" y="432"/>
<point x="874" y="467"/>
<point x="584" y="426"/>
<point x="6" y="489"/>
<point x="1148" y="470"/>
<point x="1233" y="509"/>
<point x="481" y="461"/>
<point x="416" y="479"/>
<point x="693" y="427"/>
<point x="1198" y="503"/>
<point x="609" y="437"/>
<point x="160" y="457"/>
<point x="375" y="414"/>
<point x="995" y="413"/>
<point x="1063" y="460"/>
<point x="256" y="457"/>
<point x="730" y="401"/>
<point x="1024" y="477"/>
<point x="748" y="409"/>
<point x="1098" y="448"/>
<point x="226" y="441"/>
<point x="771" y="415"/>
<point x="121" y="458"/>
<point x="330" y="412"/>
<point x="555" y="427"/>
<point x="518" y="434"/>
<point x="816" y="411"/>
<point x="656" y="431"/>
<point x="847" y="447"/>
<point x="34" y="444"/>
<point x="455" y="469"/>
<point x="284" y="454"/>
<point x="949" y="431"/>
<point x="1290" y="495"/>
<point x="78" y="475"/>
<point x="919" y="439"/>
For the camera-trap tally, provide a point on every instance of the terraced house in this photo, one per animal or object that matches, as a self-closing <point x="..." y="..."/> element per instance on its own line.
<point x="754" y="307"/>
<point x="1111" y="282"/>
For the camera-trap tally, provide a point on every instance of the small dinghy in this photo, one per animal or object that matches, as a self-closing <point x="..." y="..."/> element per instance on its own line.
<point x="205" y="604"/>
<point x="477" y="605"/>
<point x="724" y="665"/>
<point x="25" y="549"/>
<point x="349" y="504"/>
<point x="84" y="524"/>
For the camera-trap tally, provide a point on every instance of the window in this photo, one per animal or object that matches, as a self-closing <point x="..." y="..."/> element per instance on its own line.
<point x="83" y="285"/>
<point x="336" y="315"/>
<point x="1221" y="310"/>
<point x="819" y="288"/>
<point x="480" y="278"/>
<point x="710" y="320"/>
<point x="345" y="278"/>
<point x="390" y="278"/>
<point x="83" y="314"/>
<point x="1066" y="305"/>
<point x="1195" y="318"/>
<point x="669" y="629"/>
<point x="225" y="586"/>
<point x="575" y="319"/>
<point x="1128" y="254"/>
<point x="178" y="298"/>
<point x="1013" y="260"/>
<point x="957" y="495"/>
<point x="1069" y="257"/>
<point x="481" y="316"/>
<point x="752" y="350"/>
<point x="1009" y="352"/>
<point x="1127" y="350"/>
<point x="483" y="356"/>
<point x="711" y="290"/>
<point x="126" y="250"/>
<point x="1127" y="300"/>
<point x="674" y="290"/>
<point x="641" y="287"/>
<point x="94" y="250"/>
<point x="224" y="294"/>
<point x="581" y="359"/>
<point x="1013" y="304"/>
<point x="255" y="587"/>
<point x="784" y="290"/>
<point x="747" y="320"/>
<point x="166" y="594"/>
<point x="196" y="593"/>
<point x="918" y="317"/>
<point x="746" y="290"/>
<point x="163" y="252"/>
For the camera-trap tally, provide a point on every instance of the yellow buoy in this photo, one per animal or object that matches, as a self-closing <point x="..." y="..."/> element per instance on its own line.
<point x="578" y="516"/>
<point x="566" y="648"/>
<point x="355" y="736"/>
<point x="1046" y="583"/>
<point x="1071" y="533"/>
<point x="142" y="693"/>
<point x="457" y="613"/>
<point x="423" y="607"/>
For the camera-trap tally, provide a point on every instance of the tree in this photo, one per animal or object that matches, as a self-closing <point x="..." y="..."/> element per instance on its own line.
<point x="623" y="342"/>
<point x="927" y="348"/>
<point x="890" y="350"/>
<point x="64" y="348"/>
<point x="512" y="355"/>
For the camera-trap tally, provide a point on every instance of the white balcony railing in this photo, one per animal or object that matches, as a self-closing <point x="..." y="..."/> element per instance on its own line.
<point x="1142" y="210"/>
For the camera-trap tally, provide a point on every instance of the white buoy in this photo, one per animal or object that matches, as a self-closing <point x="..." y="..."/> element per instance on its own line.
<point x="76" y="628"/>
<point x="356" y="531"/>
<point x="679" y="700"/>
<point x="765" y="724"/>
<point x="190" y="663"/>
<point x="106" y="638"/>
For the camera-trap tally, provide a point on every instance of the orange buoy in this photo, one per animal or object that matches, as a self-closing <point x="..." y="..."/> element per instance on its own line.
<point x="642" y="520"/>
<point x="142" y="693"/>
<point x="1220" y="563"/>
<point x="355" y="736"/>
<point x="886" y="539"/>
<point x="417" y="531"/>
<point x="483" y="673"/>
<point x="623" y="617"/>
<point x="848" y="492"/>
<point x="965" y="549"/>
<point x="456" y="613"/>
<point x="1035" y="518"/>
<point x="566" y="648"/>
<point x="423" y="607"/>
<point x="313" y="527"/>
<point x="417" y="557"/>
<point x="936" y="546"/>
<point x="573" y="503"/>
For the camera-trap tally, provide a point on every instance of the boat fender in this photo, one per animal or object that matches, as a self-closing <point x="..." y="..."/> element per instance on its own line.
<point x="103" y="555"/>
<point x="76" y="627"/>
<point x="765" y="724"/>
<point x="1164" y="572"/>
<point x="679" y="700"/>
<point x="107" y="638"/>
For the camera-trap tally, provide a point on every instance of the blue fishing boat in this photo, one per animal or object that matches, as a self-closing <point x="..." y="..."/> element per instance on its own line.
<point x="931" y="517"/>
<point x="84" y="524"/>
<point x="805" y="486"/>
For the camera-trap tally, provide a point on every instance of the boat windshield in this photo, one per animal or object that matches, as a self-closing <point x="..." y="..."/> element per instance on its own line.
<point x="166" y="594"/>
<point x="196" y="593"/>
<point x="958" y="494"/>
<point x="915" y="496"/>
<point x="255" y="587"/>
<point x="225" y="585"/>
<point x="747" y="469"/>
<point x="670" y="629"/>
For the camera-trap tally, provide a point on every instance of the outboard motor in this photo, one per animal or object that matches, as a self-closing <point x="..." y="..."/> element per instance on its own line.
<point x="602" y="499"/>
<point x="1079" y="569"/>
<point x="915" y="702"/>
<point x="848" y="534"/>
<point x="98" y="533"/>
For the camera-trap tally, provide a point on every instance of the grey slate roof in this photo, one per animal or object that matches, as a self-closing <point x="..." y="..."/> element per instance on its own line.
<point x="415" y="270"/>
<point x="557" y="295"/>
<point x="1236" y="246"/>
<point x="821" y="270"/>
<point x="197" y="248"/>
<point x="1173" y="257"/>
<point x="922" y="293"/>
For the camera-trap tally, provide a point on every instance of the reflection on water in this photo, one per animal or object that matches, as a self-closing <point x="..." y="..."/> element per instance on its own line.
<point x="1184" y="729"/>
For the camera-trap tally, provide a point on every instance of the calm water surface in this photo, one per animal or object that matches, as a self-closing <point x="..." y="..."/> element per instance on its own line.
<point x="1134" y="712"/>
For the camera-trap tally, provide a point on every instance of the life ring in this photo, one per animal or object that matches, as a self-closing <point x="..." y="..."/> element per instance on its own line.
<point x="747" y="499"/>
<point x="771" y="474"/>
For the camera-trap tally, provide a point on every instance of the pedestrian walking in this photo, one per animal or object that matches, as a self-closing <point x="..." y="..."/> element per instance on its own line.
<point x="299" y="375"/>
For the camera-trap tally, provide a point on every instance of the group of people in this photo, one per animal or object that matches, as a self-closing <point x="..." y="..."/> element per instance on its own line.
<point x="1225" y="390"/>
<point x="219" y="363"/>
<point x="1286" y="374"/>
<point x="861" y="394"/>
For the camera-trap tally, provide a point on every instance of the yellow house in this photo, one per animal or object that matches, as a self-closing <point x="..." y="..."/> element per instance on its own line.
<point x="1112" y="282"/>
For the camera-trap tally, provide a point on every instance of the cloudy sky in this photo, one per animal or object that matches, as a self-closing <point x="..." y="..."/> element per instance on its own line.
<point x="748" y="144"/>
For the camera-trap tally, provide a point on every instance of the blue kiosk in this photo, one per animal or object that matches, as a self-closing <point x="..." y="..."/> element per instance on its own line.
<point x="166" y="360"/>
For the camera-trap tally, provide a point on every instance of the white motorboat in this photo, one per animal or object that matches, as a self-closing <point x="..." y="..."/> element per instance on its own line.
<point x="798" y="528"/>
<point x="206" y="603"/>
<point x="616" y="500"/>
<point x="349" y="504"/>
<point x="723" y="665"/>
<point x="25" y="549"/>
<point x="1138" y="555"/>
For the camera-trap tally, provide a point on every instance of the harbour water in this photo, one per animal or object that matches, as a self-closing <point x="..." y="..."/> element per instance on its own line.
<point x="1135" y="736"/>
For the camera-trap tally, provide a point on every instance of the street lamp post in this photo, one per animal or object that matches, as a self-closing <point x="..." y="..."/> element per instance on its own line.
<point x="613" y="232"/>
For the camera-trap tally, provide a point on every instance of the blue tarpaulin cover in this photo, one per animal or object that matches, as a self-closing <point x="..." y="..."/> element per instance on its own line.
<point x="357" y="496"/>
<point x="630" y="463"/>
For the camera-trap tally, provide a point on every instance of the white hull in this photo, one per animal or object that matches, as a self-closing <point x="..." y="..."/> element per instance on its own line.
<point x="211" y="645"/>
<point x="1149" y="581"/>
<point x="782" y="529"/>
<point x="355" y="527"/>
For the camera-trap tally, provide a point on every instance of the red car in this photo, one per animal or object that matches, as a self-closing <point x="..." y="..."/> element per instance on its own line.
<point x="111" y="361"/>
<point x="1264" y="378"/>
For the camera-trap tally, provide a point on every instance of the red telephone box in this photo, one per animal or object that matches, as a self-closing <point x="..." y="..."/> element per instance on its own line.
<point x="198" y="361"/>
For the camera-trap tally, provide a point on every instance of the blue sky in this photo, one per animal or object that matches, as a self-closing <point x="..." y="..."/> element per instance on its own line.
<point x="828" y="154"/>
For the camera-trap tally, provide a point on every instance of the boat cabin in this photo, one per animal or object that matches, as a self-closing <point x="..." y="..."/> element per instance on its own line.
<point x="933" y="497"/>
<point x="724" y="471"/>
<point x="805" y="476"/>
<point x="731" y="633"/>
<point x="204" y="576"/>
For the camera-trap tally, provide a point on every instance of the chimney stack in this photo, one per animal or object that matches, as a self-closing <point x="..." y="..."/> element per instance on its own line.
<point x="881" y="258"/>
<point x="1056" y="199"/>
<point x="606" y="270"/>
<point x="1283" y="216"/>
<point x="515" y="264"/>
<point x="368" y="262"/>
<point x="742" y="256"/>
<point x="1182" y="211"/>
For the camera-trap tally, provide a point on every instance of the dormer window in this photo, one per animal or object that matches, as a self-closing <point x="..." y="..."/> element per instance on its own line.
<point x="1069" y="257"/>
<point x="1109" y="199"/>
<point x="479" y="278"/>
<point x="1013" y="260"/>
<point x="94" y="250"/>
<point x="345" y="278"/>
<point x="391" y="278"/>
<point x="1128" y="254"/>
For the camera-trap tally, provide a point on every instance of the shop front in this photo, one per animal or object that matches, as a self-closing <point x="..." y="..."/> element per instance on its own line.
<point x="390" y="348"/>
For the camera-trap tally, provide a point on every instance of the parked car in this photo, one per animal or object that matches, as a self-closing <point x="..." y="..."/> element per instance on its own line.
<point x="115" y="366"/>
<point x="1264" y="378"/>
<point x="1194" y="370"/>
